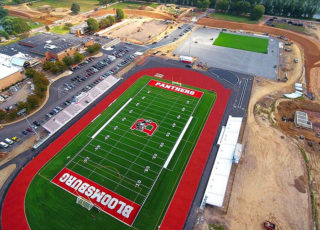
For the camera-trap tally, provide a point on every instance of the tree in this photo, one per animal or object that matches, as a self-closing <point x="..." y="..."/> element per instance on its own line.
<point x="93" y="24"/>
<point x="120" y="14"/>
<point x="111" y="19"/>
<point x="47" y="28"/>
<point x="77" y="57"/>
<point x="104" y="2"/>
<point x="48" y="65"/>
<point x="3" y="12"/>
<point x="222" y="5"/>
<point x="2" y="114"/>
<point x="94" y="48"/>
<point x="241" y="7"/>
<point x="203" y="4"/>
<point x="67" y="60"/>
<point x="33" y="101"/>
<point x="107" y="22"/>
<point x="257" y="12"/>
<point x="103" y="24"/>
<point x="4" y="34"/>
<point x="75" y="8"/>
<point x="14" y="25"/>
<point x="60" y="66"/>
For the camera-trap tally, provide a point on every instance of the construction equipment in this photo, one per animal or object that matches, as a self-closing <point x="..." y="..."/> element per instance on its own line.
<point x="268" y="225"/>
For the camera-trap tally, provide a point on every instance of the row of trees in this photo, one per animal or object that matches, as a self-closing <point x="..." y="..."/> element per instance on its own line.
<point x="286" y="8"/>
<point x="60" y="66"/>
<point x="241" y="8"/>
<point x="292" y="8"/>
<point x="34" y="100"/>
<point x="94" y="25"/>
<point x="14" y="26"/>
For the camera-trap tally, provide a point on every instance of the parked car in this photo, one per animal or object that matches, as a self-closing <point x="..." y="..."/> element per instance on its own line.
<point x="16" y="139"/>
<point x="37" y="123"/>
<point x="24" y="132"/>
<point x="3" y="145"/>
<point x="8" y="141"/>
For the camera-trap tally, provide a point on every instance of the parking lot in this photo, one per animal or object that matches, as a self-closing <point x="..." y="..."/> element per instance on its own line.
<point x="63" y="91"/>
<point x="199" y="44"/>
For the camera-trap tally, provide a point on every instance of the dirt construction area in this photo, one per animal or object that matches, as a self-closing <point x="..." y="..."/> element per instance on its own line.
<point x="26" y="12"/>
<point x="140" y="31"/>
<point x="271" y="180"/>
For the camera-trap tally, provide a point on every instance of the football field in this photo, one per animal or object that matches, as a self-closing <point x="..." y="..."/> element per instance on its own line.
<point x="121" y="162"/>
<point x="242" y="42"/>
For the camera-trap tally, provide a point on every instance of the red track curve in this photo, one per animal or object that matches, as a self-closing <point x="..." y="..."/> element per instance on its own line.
<point x="13" y="214"/>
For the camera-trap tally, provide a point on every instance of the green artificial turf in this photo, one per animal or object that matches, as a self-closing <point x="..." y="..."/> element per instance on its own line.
<point x="241" y="42"/>
<point x="49" y="207"/>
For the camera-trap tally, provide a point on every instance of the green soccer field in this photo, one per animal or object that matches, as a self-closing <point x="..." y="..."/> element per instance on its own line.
<point x="115" y="153"/>
<point x="241" y="42"/>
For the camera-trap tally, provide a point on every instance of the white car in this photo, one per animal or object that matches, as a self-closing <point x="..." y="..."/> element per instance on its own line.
<point x="3" y="145"/>
<point x="8" y="141"/>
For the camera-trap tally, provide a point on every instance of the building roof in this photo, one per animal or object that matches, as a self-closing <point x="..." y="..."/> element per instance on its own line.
<point x="7" y="68"/>
<point x="219" y="177"/>
<point x="40" y="44"/>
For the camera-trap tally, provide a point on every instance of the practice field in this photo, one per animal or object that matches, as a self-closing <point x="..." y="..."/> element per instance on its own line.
<point x="248" y="43"/>
<point x="127" y="162"/>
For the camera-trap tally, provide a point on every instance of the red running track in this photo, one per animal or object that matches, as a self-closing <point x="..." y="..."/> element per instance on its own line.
<point x="13" y="213"/>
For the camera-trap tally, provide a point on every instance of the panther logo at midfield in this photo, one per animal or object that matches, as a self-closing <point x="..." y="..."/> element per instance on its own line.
<point x="146" y="126"/>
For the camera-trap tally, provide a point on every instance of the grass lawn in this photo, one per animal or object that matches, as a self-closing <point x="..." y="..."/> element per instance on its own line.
<point x="241" y="42"/>
<point x="121" y="158"/>
<point x="233" y="18"/>
<point x="33" y="24"/>
<point x="85" y="5"/>
<point x="133" y="5"/>
<point x="59" y="30"/>
<point x="286" y="26"/>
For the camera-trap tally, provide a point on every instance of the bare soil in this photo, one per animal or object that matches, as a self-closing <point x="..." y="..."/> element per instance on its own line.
<point x="140" y="30"/>
<point x="271" y="181"/>
<point x="27" y="144"/>
<point x="144" y="13"/>
<point x="5" y="173"/>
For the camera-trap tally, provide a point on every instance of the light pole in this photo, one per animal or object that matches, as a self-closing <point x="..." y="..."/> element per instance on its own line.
<point x="22" y="112"/>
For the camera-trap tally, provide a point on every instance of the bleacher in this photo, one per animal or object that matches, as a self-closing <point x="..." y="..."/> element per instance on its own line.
<point x="66" y="115"/>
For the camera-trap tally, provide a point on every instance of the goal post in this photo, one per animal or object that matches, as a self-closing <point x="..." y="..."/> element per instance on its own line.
<point x="84" y="203"/>
<point x="176" y="83"/>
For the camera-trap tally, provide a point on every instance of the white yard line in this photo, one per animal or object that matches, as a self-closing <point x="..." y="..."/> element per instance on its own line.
<point x="114" y="115"/>
<point x="122" y="159"/>
<point x="177" y="143"/>
<point x="109" y="169"/>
